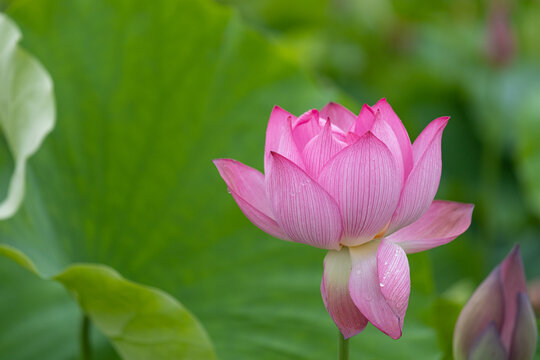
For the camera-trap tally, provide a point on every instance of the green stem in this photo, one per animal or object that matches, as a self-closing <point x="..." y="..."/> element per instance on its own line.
<point x="343" y="347"/>
<point x="85" y="338"/>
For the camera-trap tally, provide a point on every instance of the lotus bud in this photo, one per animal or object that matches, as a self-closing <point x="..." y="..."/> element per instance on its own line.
<point x="498" y="321"/>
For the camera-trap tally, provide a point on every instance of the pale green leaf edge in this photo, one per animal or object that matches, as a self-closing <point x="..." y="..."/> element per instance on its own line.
<point x="27" y="108"/>
<point x="27" y="114"/>
<point x="141" y="322"/>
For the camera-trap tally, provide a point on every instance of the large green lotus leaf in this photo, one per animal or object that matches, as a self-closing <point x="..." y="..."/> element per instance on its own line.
<point x="141" y="322"/>
<point x="148" y="92"/>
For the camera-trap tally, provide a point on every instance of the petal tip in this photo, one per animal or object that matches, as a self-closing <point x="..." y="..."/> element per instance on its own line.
<point x="516" y="250"/>
<point x="348" y="334"/>
<point x="275" y="155"/>
<point x="222" y="163"/>
<point x="396" y="336"/>
<point x="367" y="108"/>
<point x="469" y="208"/>
<point x="514" y="256"/>
<point x="218" y="162"/>
<point x="443" y="121"/>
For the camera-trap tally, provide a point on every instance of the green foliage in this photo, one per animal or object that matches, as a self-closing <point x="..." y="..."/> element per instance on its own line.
<point x="431" y="59"/>
<point x="146" y="98"/>
<point x="27" y="115"/>
<point x="149" y="92"/>
<point x="18" y="257"/>
<point x="141" y="322"/>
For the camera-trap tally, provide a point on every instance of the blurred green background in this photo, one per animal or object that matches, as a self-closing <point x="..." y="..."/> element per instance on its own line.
<point x="148" y="92"/>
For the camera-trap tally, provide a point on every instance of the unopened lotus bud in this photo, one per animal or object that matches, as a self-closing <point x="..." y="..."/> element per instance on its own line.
<point x="498" y="321"/>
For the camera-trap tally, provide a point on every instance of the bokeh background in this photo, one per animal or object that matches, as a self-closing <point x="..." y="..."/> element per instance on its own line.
<point x="148" y="92"/>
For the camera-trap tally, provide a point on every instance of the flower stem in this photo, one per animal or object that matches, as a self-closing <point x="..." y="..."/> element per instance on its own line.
<point x="85" y="339"/>
<point x="343" y="347"/>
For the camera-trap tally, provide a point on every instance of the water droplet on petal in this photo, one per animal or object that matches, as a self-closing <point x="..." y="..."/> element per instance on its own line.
<point x="381" y="284"/>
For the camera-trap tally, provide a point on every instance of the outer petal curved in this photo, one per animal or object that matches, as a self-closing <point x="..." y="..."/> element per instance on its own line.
<point x="321" y="149"/>
<point x="350" y="138"/>
<point x="488" y="345"/>
<point x="382" y="130"/>
<point x="247" y="187"/>
<point x="339" y="115"/>
<point x="423" y="181"/>
<point x="513" y="283"/>
<point x="306" y="128"/>
<point x="365" y="289"/>
<point x="278" y="125"/>
<point x="395" y="123"/>
<point x="485" y="307"/>
<point x="394" y="276"/>
<point x="365" y="120"/>
<point x="363" y="179"/>
<point x="336" y="296"/>
<point x="442" y="223"/>
<point x="303" y="209"/>
<point x="525" y="332"/>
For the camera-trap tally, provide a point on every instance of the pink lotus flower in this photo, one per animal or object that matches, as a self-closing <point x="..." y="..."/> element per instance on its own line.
<point x="498" y="321"/>
<point x="355" y="186"/>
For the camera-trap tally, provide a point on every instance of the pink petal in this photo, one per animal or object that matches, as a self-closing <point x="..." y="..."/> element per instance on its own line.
<point x="321" y="149"/>
<point x="394" y="276"/>
<point x="364" y="181"/>
<point x="485" y="307"/>
<point x="365" y="120"/>
<point x="276" y="127"/>
<point x="339" y="115"/>
<point x="349" y="139"/>
<point x="303" y="209"/>
<point x="395" y="123"/>
<point x="525" y="332"/>
<point x="442" y="223"/>
<point x="365" y="287"/>
<point x="279" y="126"/>
<point x="513" y="283"/>
<point x="430" y="134"/>
<point x="247" y="187"/>
<point x="382" y="130"/>
<point x="335" y="293"/>
<point x="423" y="181"/>
<point x="306" y="128"/>
<point x="487" y="346"/>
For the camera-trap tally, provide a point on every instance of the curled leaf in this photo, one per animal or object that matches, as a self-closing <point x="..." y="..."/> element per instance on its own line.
<point x="141" y="322"/>
<point x="27" y="110"/>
